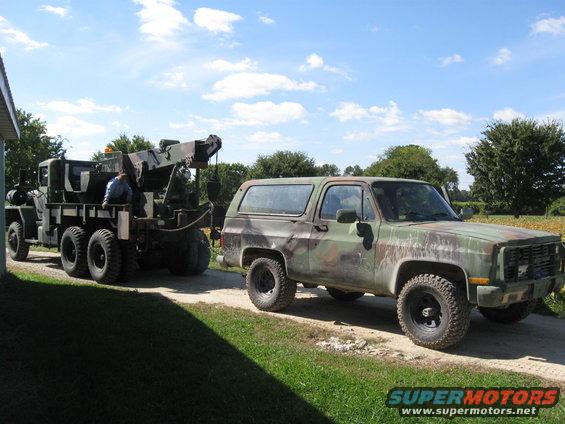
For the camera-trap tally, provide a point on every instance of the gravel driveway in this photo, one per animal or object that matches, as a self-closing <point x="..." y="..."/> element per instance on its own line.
<point x="534" y="346"/>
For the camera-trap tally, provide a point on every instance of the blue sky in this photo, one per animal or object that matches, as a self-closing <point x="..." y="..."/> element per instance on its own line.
<point x="341" y="81"/>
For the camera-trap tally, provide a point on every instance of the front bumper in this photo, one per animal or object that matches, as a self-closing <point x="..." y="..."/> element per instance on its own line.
<point x="495" y="296"/>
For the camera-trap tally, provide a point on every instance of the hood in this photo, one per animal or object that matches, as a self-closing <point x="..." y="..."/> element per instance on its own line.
<point x="489" y="232"/>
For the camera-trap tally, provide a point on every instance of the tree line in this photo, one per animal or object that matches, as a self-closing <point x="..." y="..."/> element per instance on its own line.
<point x="517" y="166"/>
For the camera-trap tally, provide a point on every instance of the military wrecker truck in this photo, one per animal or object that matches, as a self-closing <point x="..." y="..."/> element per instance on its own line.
<point x="161" y="226"/>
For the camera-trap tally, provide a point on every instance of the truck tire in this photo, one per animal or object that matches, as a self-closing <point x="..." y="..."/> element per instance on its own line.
<point x="73" y="247"/>
<point x="17" y="246"/>
<point x="511" y="314"/>
<point x="129" y="261"/>
<point x="433" y="312"/>
<point x="268" y="286"/>
<point x="204" y="254"/>
<point x="104" y="256"/>
<point x="180" y="262"/>
<point x="344" y="296"/>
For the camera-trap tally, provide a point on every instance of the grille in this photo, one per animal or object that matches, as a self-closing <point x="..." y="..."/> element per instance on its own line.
<point x="530" y="262"/>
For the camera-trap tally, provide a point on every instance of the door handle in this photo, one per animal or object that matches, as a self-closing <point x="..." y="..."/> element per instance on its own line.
<point x="321" y="228"/>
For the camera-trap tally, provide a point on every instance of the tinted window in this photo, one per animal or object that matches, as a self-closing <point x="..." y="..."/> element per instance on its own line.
<point x="400" y="201"/>
<point x="290" y="199"/>
<point x="341" y="197"/>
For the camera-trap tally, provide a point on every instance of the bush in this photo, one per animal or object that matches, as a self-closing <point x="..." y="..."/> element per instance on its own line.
<point x="478" y="207"/>
<point x="557" y="208"/>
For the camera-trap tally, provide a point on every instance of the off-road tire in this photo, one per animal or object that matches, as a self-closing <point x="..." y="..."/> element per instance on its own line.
<point x="275" y="295"/>
<point x="74" y="243"/>
<point x="104" y="256"/>
<point x="344" y="296"/>
<point x="442" y="295"/>
<point x="511" y="314"/>
<point x="204" y="254"/>
<point x="129" y="261"/>
<point x="180" y="262"/>
<point x="17" y="246"/>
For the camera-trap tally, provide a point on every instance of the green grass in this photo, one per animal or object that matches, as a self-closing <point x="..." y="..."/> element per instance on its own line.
<point x="74" y="353"/>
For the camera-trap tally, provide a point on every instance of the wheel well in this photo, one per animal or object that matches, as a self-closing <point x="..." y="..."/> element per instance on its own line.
<point x="250" y="254"/>
<point x="410" y="269"/>
<point x="11" y="216"/>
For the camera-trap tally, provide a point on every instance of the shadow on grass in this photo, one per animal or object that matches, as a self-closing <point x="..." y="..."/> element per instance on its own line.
<point x="77" y="353"/>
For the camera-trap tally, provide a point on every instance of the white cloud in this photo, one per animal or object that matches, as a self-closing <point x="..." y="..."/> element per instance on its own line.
<point x="554" y="26"/>
<point x="503" y="56"/>
<point x="120" y="125"/>
<point x="55" y="10"/>
<point x="266" y="20"/>
<point x="16" y="36"/>
<point x="263" y="113"/>
<point x="160" y="20"/>
<point x="80" y="106"/>
<point x="336" y="151"/>
<point x="251" y="114"/>
<point x="2" y="50"/>
<point x="215" y="20"/>
<point x="448" y="60"/>
<point x="388" y="118"/>
<point x="442" y="144"/>
<point x="262" y="139"/>
<point x="507" y="114"/>
<point x="315" y="61"/>
<point x="176" y="78"/>
<point x="177" y="126"/>
<point x="71" y="126"/>
<point x="375" y="28"/>
<point x="445" y="116"/>
<point x="348" y="111"/>
<point x="222" y="65"/>
<point x="251" y="84"/>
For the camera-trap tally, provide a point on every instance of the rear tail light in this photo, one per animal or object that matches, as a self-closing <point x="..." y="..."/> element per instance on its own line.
<point x="222" y="240"/>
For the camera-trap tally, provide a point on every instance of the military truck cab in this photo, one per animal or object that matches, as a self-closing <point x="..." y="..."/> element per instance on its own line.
<point x="389" y="237"/>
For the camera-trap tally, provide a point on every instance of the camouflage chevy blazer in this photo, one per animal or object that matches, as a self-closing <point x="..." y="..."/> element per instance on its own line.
<point x="389" y="237"/>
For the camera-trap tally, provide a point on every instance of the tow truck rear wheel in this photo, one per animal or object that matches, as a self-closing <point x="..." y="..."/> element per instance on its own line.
<point x="129" y="261"/>
<point x="511" y="314"/>
<point x="73" y="251"/>
<point x="17" y="246"/>
<point x="104" y="256"/>
<point x="204" y="254"/>
<point x="433" y="311"/>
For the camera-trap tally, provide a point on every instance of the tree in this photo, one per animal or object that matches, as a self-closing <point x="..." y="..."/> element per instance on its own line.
<point x="519" y="164"/>
<point x="33" y="147"/>
<point x="125" y="144"/>
<point x="327" y="170"/>
<point x="415" y="162"/>
<point x="230" y="175"/>
<point x="353" y="171"/>
<point x="283" y="163"/>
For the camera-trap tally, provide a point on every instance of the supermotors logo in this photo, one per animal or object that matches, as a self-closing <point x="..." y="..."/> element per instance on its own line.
<point x="455" y="401"/>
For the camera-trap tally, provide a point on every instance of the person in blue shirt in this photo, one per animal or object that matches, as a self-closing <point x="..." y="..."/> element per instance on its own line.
<point x="118" y="190"/>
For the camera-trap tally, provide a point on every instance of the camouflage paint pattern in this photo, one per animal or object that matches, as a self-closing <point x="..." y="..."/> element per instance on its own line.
<point x="371" y="262"/>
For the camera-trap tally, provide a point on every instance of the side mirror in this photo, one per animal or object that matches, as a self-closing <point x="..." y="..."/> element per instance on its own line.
<point x="466" y="213"/>
<point x="346" y="216"/>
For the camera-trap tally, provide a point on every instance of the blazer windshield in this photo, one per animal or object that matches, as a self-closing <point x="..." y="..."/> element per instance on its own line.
<point x="406" y="201"/>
